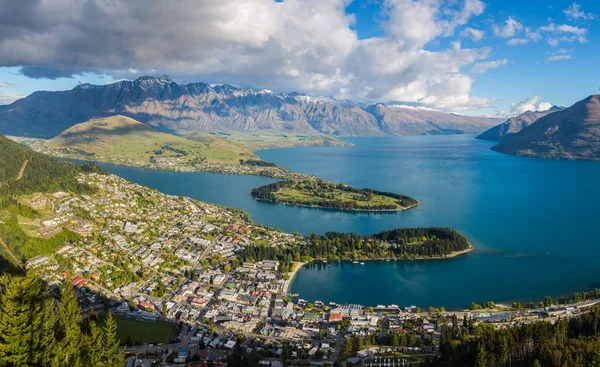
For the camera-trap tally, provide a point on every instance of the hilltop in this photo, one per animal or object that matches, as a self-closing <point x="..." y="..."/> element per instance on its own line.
<point x="573" y="133"/>
<point x="123" y="138"/>
<point x="515" y="124"/>
<point x="198" y="107"/>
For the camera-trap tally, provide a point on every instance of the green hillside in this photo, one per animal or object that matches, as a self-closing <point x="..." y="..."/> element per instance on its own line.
<point x="120" y="138"/>
<point x="23" y="171"/>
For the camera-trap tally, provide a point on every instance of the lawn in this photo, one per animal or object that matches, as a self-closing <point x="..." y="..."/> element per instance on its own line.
<point x="132" y="331"/>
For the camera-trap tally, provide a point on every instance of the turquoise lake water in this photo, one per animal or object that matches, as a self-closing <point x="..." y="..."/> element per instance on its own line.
<point x="535" y="223"/>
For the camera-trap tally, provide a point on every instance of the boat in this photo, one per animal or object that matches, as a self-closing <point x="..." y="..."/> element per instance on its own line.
<point x="325" y="261"/>
<point x="362" y="263"/>
<point x="355" y="262"/>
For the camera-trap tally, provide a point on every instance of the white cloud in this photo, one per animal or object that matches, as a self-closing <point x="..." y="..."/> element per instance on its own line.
<point x="574" y="12"/>
<point x="517" y="41"/>
<point x="472" y="33"/>
<point x="7" y="98"/>
<point x="482" y="67"/>
<point x="558" y="58"/>
<point x="529" y="105"/>
<point x="564" y="33"/>
<point x="6" y="85"/>
<point x="510" y="29"/>
<point x="304" y="45"/>
<point x="544" y="106"/>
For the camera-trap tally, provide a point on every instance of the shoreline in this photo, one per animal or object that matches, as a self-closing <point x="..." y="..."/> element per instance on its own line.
<point x="298" y="265"/>
<point x="343" y="210"/>
<point x="286" y="285"/>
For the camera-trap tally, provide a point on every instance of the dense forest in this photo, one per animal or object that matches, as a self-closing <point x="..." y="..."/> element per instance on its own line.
<point x="570" y="342"/>
<point x="42" y="173"/>
<point x="40" y="326"/>
<point x="322" y="194"/>
<point x="403" y="243"/>
<point x="257" y="163"/>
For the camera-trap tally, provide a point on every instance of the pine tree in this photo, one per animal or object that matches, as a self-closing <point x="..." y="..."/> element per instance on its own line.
<point x="20" y="322"/>
<point x="70" y="326"/>
<point x="48" y="337"/>
<point x="482" y="358"/>
<point x="113" y="356"/>
<point x="92" y="349"/>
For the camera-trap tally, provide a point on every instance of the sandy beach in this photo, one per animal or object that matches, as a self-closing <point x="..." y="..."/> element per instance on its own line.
<point x="297" y="266"/>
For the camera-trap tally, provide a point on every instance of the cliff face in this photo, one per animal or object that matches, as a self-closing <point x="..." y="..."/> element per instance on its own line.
<point x="168" y="106"/>
<point x="515" y="124"/>
<point x="573" y="133"/>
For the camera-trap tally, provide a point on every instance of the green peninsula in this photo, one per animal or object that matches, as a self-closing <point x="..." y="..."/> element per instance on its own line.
<point x="324" y="194"/>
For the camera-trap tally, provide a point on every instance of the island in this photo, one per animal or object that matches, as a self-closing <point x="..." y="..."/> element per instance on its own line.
<point x="323" y="194"/>
<point x="401" y="243"/>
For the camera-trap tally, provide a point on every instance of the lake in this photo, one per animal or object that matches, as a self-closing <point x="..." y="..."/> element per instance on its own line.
<point x="534" y="223"/>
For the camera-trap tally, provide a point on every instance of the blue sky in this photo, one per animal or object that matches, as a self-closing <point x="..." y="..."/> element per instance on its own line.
<point x="471" y="56"/>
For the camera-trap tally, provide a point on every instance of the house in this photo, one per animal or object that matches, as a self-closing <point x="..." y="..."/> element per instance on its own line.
<point x="146" y="306"/>
<point x="335" y="317"/>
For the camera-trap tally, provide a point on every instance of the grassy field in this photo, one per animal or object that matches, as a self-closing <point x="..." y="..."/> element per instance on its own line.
<point x="325" y="194"/>
<point x="125" y="138"/>
<point x="295" y="193"/>
<point x="139" y="332"/>
<point x="258" y="140"/>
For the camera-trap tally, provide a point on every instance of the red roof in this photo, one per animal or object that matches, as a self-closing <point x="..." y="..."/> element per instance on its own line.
<point x="146" y="305"/>
<point x="335" y="317"/>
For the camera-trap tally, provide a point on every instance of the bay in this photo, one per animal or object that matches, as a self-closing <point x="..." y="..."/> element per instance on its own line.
<point x="534" y="223"/>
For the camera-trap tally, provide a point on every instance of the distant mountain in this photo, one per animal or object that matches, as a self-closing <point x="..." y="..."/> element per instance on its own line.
<point x="573" y="133"/>
<point x="168" y="106"/>
<point x="120" y="137"/>
<point x="406" y="120"/>
<point x="515" y="124"/>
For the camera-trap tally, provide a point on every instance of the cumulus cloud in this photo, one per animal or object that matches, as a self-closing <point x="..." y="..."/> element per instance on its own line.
<point x="574" y="12"/>
<point x="564" y="33"/>
<point x="472" y="33"/>
<point x="304" y="45"/>
<point x="419" y="22"/>
<point x="544" y="106"/>
<point x="529" y="105"/>
<point x="510" y="28"/>
<point x="482" y="67"/>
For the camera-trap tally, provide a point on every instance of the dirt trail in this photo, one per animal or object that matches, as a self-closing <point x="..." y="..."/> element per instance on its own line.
<point x="22" y="170"/>
<point x="9" y="252"/>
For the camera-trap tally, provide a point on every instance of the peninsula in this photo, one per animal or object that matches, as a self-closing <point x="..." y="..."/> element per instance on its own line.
<point x="323" y="194"/>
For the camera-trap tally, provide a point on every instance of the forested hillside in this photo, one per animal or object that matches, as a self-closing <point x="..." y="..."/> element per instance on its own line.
<point x="40" y="172"/>
<point x="568" y="342"/>
<point x="23" y="171"/>
<point x="37" y="329"/>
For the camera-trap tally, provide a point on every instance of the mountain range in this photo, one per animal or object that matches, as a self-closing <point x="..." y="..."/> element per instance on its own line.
<point x="515" y="124"/>
<point x="198" y="107"/>
<point x="573" y="133"/>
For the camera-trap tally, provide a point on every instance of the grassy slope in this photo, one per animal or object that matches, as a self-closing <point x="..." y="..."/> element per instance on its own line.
<point x="295" y="193"/>
<point x="259" y="141"/>
<point x="125" y="138"/>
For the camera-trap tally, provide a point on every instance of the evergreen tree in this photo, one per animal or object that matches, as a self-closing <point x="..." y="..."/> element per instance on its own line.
<point x="20" y="322"/>
<point x="70" y="326"/>
<point x="113" y="356"/>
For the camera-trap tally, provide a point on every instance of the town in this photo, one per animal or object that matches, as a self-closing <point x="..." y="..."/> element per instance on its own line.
<point x="153" y="258"/>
